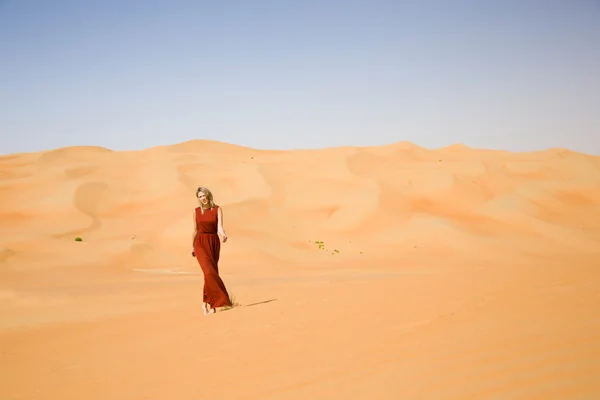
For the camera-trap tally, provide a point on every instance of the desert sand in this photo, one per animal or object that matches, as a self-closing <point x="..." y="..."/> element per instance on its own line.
<point x="391" y="272"/>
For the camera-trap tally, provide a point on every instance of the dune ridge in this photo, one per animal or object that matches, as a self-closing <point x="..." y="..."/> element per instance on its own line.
<point x="455" y="232"/>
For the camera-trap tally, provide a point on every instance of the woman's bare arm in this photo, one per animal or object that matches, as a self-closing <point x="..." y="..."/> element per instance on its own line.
<point x="195" y="230"/>
<point x="220" y="224"/>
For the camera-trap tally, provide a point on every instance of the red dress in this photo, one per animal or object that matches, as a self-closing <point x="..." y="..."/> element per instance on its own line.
<point x="207" y="248"/>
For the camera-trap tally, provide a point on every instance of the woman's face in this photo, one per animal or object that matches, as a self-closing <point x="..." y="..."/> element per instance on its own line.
<point x="202" y="198"/>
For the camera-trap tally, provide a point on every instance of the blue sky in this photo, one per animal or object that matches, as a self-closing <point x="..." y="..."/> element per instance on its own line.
<point x="127" y="75"/>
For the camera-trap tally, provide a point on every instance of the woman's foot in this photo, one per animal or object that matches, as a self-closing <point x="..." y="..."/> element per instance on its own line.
<point x="207" y="309"/>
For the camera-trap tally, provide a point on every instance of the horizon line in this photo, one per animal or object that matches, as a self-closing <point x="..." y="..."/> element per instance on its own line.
<point x="413" y="145"/>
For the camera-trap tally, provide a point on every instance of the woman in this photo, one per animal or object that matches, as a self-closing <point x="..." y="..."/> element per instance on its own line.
<point x="208" y="223"/>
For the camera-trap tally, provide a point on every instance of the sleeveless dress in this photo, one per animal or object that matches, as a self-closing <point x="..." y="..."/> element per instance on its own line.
<point x="207" y="248"/>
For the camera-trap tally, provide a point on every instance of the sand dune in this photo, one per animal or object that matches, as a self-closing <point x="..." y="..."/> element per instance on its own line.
<point x="454" y="273"/>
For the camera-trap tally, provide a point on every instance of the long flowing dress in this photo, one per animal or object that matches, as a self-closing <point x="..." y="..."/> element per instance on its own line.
<point x="207" y="248"/>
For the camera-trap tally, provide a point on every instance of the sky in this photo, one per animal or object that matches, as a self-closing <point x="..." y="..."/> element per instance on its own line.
<point x="517" y="75"/>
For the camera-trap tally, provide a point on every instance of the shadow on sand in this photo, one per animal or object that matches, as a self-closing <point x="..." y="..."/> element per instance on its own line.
<point x="260" y="302"/>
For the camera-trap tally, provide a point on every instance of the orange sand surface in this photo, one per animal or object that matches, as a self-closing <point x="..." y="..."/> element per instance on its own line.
<point x="452" y="273"/>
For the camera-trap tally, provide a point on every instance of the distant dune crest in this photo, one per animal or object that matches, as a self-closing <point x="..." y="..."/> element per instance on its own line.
<point x="391" y="198"/>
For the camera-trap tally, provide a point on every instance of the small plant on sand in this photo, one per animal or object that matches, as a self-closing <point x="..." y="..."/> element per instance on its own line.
<point x="234" y="303"/>
<point x="320" y="244"/>
<point x="78" y="239"/>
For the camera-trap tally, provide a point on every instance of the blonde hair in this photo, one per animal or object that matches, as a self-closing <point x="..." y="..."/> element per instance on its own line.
<point x="209" y="197"/>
